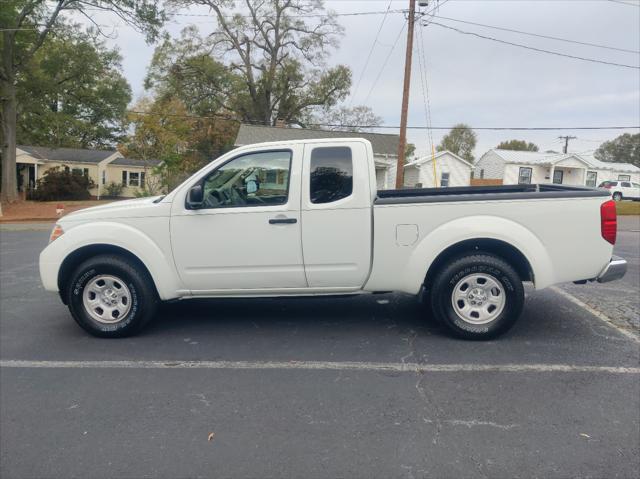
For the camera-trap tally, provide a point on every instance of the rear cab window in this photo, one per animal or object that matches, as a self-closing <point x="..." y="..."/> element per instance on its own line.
<point x="331" y="174"/>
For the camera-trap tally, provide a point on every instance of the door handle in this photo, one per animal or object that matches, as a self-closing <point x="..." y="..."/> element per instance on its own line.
<point x="282" y="221"/>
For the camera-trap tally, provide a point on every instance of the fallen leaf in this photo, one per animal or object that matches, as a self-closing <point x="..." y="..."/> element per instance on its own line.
<point x="585" y="435"/>
<point x="211" y="434"/>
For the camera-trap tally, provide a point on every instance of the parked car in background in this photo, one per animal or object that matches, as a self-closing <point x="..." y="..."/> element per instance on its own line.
<point x="622" y="190"/>
<point x="300" y="218"/>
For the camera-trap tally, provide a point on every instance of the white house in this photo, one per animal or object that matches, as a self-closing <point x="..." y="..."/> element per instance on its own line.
<point x="385" y="146"/>
<point x="449" y="170"/>
<point x="525" y="167"/>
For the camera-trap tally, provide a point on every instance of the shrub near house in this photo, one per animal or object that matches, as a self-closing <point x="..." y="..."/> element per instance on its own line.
<point x="58" y="184"/>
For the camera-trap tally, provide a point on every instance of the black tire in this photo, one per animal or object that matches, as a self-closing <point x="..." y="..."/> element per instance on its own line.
<point x="143" y="303"/>
<point x="617" y="196"/>
<point x="477" y="263"/>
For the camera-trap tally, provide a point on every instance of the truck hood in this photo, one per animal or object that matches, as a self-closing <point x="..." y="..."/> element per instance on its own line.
<point x="138" y="207"/>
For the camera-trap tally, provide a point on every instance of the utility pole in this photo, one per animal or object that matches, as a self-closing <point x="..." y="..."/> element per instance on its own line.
<point x="566" y="142"/>
<point x="405" y="97"/>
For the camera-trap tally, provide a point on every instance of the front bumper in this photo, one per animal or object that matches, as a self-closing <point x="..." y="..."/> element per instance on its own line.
<point x="616" y="269"/>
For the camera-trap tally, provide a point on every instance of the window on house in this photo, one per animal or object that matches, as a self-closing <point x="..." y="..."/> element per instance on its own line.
<point x="134" y="178"/>
<point x="331" y="174"/>
<point x="558" y="175"/>
<point x="524" y="176"/>
<point x="124" y="178"/>
<point x="142" y="183"/>
<point x="79" y="171"/>
<point x="592" y="178"/>
<point x="444" y="179"/>
<point x="624" y="177"/>
<point x="481" y="173"/>
<point x="103" y="178"/>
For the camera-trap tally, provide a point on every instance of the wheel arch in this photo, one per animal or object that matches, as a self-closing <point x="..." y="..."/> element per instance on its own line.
<point x="76" y="257"/>
<point x="499" y="248"/>
<point x="500" y="236"/>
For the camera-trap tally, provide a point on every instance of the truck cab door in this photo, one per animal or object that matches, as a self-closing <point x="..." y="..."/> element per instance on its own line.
<point x="246" y="235"/>
<point x="336" y="214"/>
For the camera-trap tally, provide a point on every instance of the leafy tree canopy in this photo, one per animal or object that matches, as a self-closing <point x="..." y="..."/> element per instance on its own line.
<point x="518" y="145"/>
<point x="164" y="130"/>
<point x="72" y="93"/>
<point x="264" y="62"/>
<point x="623" y="149"/>
<point x="461" y="140"/>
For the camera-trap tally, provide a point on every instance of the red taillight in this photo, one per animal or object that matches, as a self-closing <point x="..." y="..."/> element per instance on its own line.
<point x="608" y="221"/>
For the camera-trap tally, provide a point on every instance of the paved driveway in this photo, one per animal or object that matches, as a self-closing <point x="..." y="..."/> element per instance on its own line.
<point x="348" y="387"/>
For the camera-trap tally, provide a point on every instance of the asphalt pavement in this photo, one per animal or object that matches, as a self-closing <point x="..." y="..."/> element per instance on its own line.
<point x="363" y="386"/>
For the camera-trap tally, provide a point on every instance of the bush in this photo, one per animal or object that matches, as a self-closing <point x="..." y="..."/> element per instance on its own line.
<point x="143" y="193"/>
<point x="113" y="189"/>
<point x="57" y="184"/>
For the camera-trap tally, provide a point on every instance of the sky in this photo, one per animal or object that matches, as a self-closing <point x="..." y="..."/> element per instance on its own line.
<point x="472" y="80"/>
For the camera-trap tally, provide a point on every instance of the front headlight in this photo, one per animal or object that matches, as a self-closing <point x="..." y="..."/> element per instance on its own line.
<point x="56" y="233"/>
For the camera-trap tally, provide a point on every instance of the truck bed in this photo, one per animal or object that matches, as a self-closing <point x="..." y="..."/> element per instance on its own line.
<point x="485" y="193"/>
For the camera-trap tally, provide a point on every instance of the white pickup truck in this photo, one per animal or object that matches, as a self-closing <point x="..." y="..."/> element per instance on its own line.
<point x="301" y="218"/>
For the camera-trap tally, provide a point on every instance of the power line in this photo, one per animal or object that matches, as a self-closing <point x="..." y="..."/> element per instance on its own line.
<point x="384" y="64"/>
<point x="415" y="127"/>
<point x="373" y="46"/>
<point x="560" y="39"/>
<point x="309" y="15"/>
<point x="592" y="60"/>
<point x="424" y="83"/>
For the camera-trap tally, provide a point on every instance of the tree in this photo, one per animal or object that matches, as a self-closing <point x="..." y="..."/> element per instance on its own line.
<point x="623" y="149"/>
<point x="265" y="63"/>
<point x="517" y="145"/>
<point x="409" y="152"/>
<point x="163" y="130"/>
<point x="25" y="26"/>
<point x="461" y="140"/>
<point x="356" y="119"/>
<point x="72" y="94"/>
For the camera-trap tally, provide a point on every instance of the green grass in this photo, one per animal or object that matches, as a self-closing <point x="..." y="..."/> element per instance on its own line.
<point x="628" y="207"/>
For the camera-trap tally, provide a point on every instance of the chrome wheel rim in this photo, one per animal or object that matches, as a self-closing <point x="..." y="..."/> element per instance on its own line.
<point x="478" y="298"/>
<point x="107" y="299"/>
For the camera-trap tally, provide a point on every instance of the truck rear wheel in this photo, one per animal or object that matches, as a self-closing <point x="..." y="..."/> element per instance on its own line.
<point x="110" y="297"/>
<point x="477" y="296"/>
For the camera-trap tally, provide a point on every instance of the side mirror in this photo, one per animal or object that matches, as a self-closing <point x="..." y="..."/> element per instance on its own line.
<point x="195" y="197"/>
<point x="252" y="186"/>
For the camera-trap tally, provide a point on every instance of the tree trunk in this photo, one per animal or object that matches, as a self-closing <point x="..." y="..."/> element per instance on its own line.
<point x="9" y="186"/>
<point x="9" y="189"/>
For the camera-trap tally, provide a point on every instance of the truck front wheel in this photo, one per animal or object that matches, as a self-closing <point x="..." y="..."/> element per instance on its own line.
<point x="477" y="296"/>
<point x="110" y="297"/>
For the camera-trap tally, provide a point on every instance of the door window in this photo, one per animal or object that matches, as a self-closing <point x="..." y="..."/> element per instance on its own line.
<point x="524" y="176"/>
<point x="557" y="176"/>
<point x="255" y="179"/>
<point x="592" y="178"/>
<point x="331" y="177"/>
<point x="626" y="184"/>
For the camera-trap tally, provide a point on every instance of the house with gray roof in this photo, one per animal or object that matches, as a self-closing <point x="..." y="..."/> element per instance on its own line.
<point x="102" y="166"/>
<point x="385" y="146"/>
<point x="524" y="167"/>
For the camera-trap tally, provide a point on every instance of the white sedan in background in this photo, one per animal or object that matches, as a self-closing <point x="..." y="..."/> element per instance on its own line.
<point x="622" y="190"/>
